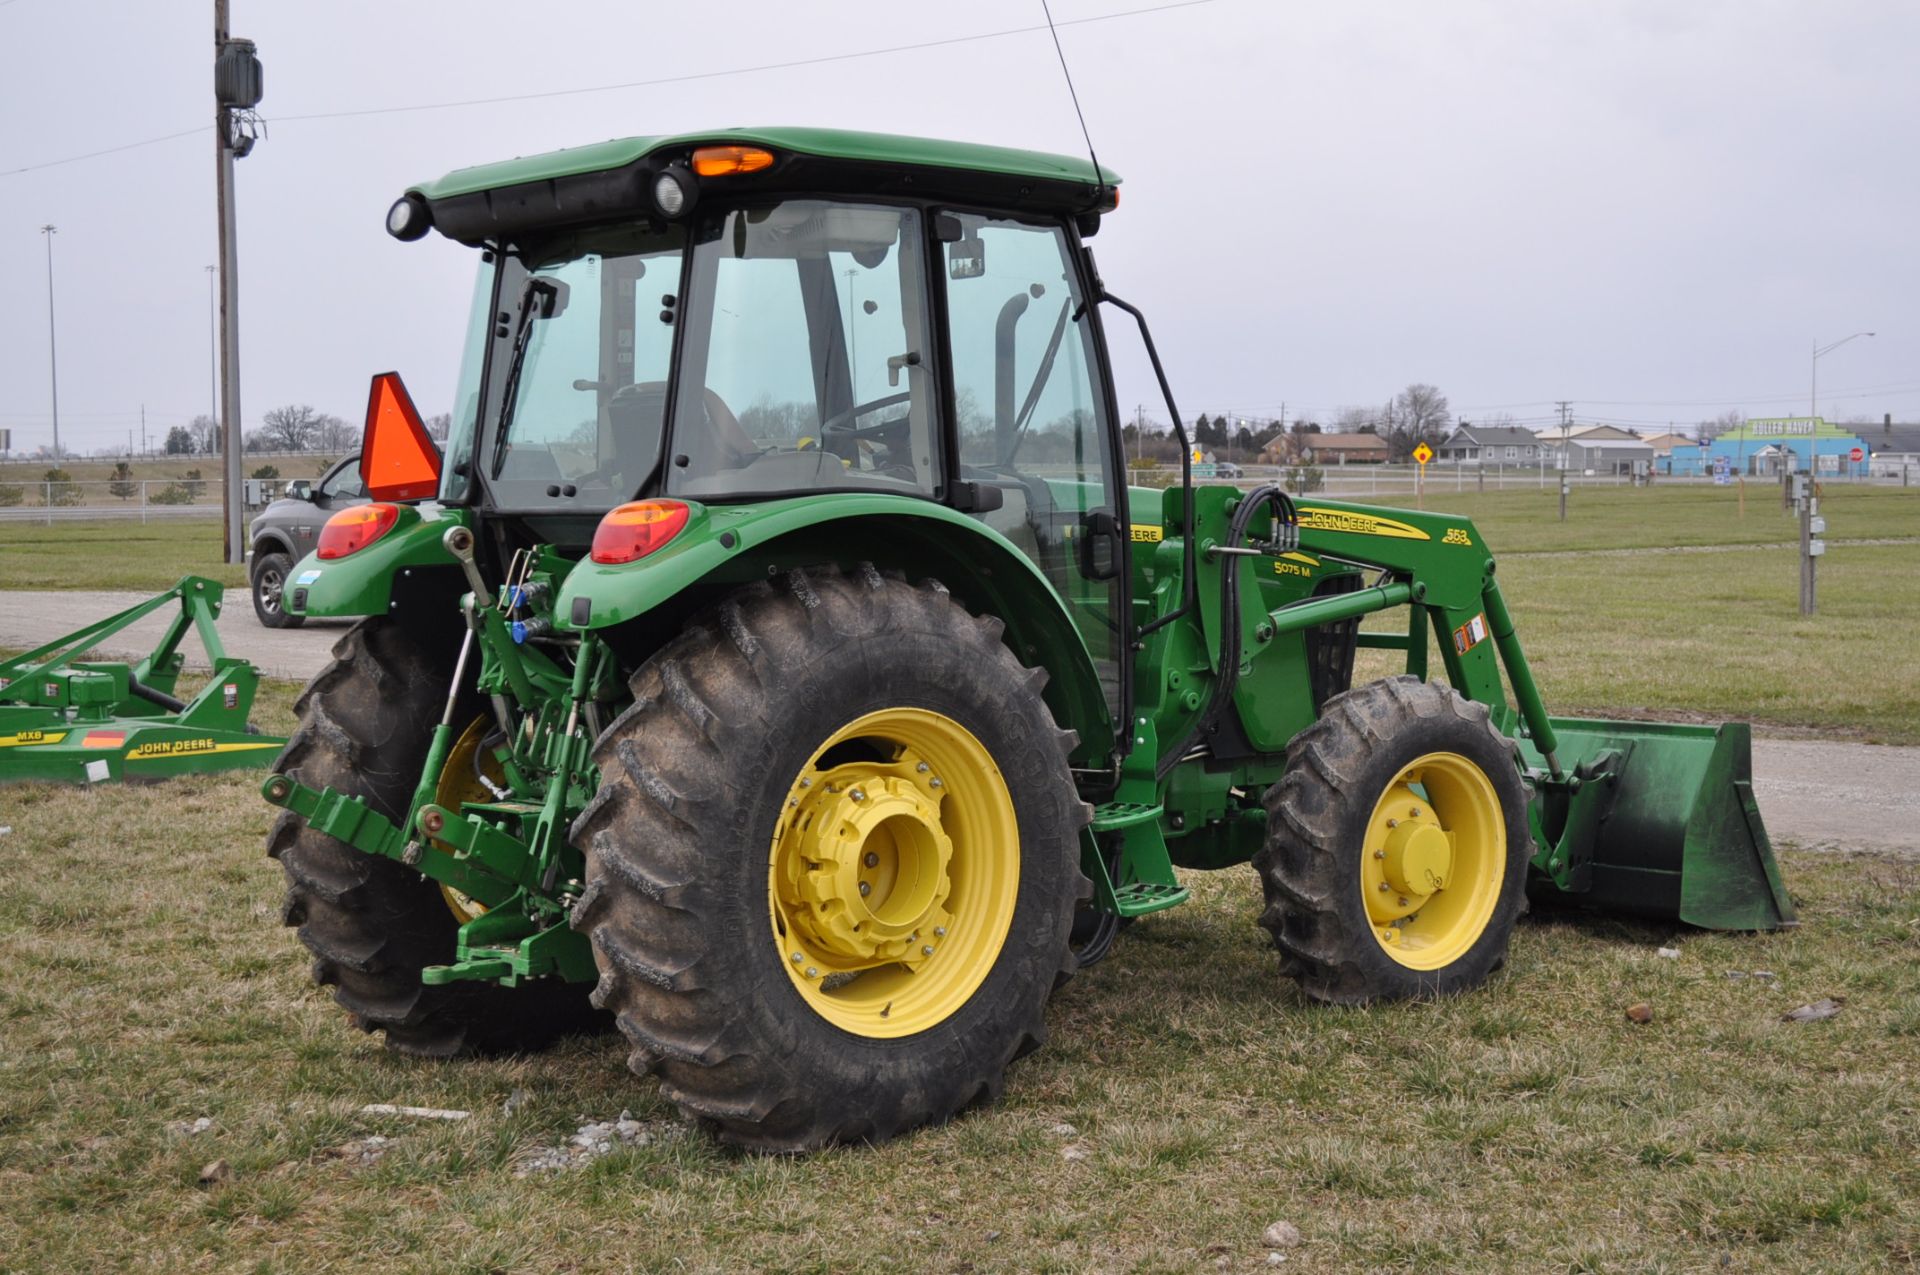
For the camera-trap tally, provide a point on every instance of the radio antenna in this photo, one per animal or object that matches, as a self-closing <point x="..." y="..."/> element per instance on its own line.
<point x="1099" y="177"/>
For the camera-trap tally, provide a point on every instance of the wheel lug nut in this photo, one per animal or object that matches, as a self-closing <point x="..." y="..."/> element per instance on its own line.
<point x="872" y="860"/>
<point x="933" y="783"/>
<point x="921" y="768"/>
<point x="1403" y="903"/>
<point x="927" y="950"/>
<point x="1379" y="854"/>
<point x="1383" y="887"/>
<point x="812" y="972"/>
<point x="865" y="889"/>
<point x="858" y="795"/>
<point x="1415" y="812"/>
<point x="797" y="958"/>
<point x="939" y="931"/>
<point x="806" y="783"/>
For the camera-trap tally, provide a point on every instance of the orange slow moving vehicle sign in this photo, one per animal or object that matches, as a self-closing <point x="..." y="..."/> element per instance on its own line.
<point x="398" y="461"/>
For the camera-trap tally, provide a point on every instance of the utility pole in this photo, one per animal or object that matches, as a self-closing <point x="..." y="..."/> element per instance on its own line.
<point x="237" y="88"/>
<point x="143" y="429"/>
<point x="53" y="357"/>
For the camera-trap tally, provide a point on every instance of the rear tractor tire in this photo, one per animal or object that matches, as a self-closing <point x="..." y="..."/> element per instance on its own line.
<point x="833" y="862"/>
<point x="1397" y="846"/>
<point x="373" y="924"/>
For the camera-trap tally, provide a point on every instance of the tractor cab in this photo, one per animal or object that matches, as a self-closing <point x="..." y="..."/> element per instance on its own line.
<point x="747" y="335"/>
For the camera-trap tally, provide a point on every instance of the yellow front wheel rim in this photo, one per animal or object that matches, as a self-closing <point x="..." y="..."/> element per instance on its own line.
<point x="893" y="872"/>
<point x="1434" y="857"/>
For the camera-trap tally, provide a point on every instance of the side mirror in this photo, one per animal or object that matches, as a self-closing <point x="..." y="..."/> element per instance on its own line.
<point x="1099" y="546"/>
<point x="300" y="489"/>
<point x="967" y="259"/>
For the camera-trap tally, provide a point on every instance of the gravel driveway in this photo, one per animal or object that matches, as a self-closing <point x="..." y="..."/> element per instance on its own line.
<point x="1832" y="795"/>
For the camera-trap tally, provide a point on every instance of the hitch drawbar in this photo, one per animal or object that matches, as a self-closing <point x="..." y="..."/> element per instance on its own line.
<point x="520" y="934"/>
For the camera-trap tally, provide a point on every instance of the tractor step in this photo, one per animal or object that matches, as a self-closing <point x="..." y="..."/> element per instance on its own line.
<point x="1142" y="897"/>
<point x="1112" y="816"/>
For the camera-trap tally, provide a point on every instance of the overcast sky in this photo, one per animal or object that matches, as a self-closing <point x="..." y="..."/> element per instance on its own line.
<point x="1652" y="209"/>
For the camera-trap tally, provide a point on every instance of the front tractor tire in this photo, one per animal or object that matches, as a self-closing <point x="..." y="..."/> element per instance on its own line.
<point x="833" y="862"/>
<point x="1397" y="846"/>
<point x="373" y="924"/>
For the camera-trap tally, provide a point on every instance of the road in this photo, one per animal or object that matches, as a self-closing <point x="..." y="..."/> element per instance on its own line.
<point x="1815" y="793"/>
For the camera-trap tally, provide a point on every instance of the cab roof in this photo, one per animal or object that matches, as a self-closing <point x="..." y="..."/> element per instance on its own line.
<point x="824" y="143"/>
<point x="609" y="181"/>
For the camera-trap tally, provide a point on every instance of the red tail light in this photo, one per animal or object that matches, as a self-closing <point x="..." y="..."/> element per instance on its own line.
<point x="352" y="530"/>
<point x="635" y="530"/>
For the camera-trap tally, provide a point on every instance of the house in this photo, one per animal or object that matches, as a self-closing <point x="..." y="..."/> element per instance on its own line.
<point x="1599" y="449"/>
<point x="1488" y="445"/>
<point x="1663" y="444"/>
<point x="1893" y="451"/>
<point x="1343" y="449"/>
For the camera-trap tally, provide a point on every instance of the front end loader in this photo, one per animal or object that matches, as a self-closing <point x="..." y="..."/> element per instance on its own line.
<point x="778" y="664"/>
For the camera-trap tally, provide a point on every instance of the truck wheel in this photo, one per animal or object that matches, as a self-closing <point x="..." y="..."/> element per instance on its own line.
<point x="268" y="581"/>
<point x="832" y="863"/>
<point x="1397" y="846"/>
<point x="372" y="924"/>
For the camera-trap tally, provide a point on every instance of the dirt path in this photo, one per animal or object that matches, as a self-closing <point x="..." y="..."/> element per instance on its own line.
<point x="1813" y="793"/>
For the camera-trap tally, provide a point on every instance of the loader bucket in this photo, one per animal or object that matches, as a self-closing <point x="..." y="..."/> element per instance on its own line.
<point x="1657" y="820"/>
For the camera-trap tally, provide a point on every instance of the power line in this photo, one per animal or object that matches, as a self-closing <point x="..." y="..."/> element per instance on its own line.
<point x="612" y="88"/>
<point x="739" y="70"/>
<point x="111" y="150"/>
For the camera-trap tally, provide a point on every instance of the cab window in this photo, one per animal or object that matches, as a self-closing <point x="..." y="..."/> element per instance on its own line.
<point x="1030" y="416"/>
<point x="804" y="363"/>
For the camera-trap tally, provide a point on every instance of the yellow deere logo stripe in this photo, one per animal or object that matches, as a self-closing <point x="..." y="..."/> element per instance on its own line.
<point x="1146" y="533"/>
<point x="28" y="738"/>
<point x="1314" y="518"/>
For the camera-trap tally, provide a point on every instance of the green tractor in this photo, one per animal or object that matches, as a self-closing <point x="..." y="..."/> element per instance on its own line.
<point x="778" y="663"/>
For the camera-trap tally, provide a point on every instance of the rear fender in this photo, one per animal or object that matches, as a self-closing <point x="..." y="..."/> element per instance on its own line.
<point x="376" y="580"/>
<point x="730" y="545"/>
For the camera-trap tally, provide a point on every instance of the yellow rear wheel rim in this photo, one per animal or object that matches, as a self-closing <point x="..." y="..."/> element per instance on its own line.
<point x="893" y="872"/>
<point x="458" y="783"/>
<point x="1434" y="857"/>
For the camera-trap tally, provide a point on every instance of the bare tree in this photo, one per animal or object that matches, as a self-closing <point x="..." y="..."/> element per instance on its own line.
<point x="1353" y="420"/>
<point x="331" y="434"/>
<point x="438" y="425"/>
<point x="205" y="434"/>
<point x="288" y="429"/>
<point x="1725" y="423"/>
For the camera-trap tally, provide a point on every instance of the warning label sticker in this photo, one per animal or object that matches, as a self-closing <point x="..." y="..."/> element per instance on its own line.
<point x="1470" y="634"/>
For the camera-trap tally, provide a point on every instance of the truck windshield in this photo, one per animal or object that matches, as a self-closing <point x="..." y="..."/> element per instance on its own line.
<point x="582" y="339"/>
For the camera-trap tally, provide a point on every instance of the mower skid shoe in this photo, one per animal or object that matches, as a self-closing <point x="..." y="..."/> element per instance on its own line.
<point x="1677" y="835"/>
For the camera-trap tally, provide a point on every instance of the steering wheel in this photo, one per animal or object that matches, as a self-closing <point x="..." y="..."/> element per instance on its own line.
<point x="840" y="424"/>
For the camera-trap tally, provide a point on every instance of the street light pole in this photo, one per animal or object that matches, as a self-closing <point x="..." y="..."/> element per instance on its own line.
<point x="53" y="357"/>
<point x="1811" y="525"/>
<point x="213" y="345"/>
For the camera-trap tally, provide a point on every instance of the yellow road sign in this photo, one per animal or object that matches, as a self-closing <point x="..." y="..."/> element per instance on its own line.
<point x="1423" y="453"/>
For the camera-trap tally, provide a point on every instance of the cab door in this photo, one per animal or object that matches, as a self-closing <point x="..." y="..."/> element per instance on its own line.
<point x="1032" y="418"/>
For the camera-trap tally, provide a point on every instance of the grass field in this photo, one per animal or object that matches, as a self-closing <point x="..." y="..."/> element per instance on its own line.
<point x="145" y="980"/>
<point x="1187" y="1098"/>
